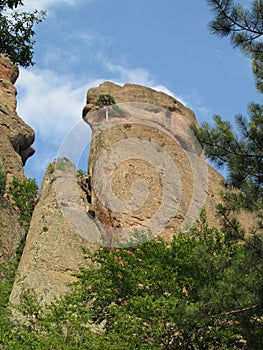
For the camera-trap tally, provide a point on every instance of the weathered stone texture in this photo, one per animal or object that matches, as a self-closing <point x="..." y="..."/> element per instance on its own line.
<point x="168" y="129"/>
<point x="52" y="251"/>
<point x="11" y="232"/>
<point x="138" y="93"/>
<point x="16" y="136"/>
<point x="15" y="147"/>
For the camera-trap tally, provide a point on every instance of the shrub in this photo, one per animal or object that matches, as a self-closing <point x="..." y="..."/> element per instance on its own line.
<point x="2" y="181"/>
<point x="24" y="194"/>
<point x="104" y="100"/>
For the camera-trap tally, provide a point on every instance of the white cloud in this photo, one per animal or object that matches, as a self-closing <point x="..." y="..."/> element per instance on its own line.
<point x="50" y="104"/>
<point x="46" y="4"/>
<point x="142" y="76"/>
<point x="88" y="38"/>
<point x="136" y="75"/>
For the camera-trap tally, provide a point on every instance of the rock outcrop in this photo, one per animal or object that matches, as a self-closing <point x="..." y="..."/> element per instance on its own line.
<point x="145" y="127"/>
<point x="139" y="94"/>
<point x="16" y="139"/>
<point x="16" y="136"/>
<point x="11" y="231"/>
<point x="52" y="251"/>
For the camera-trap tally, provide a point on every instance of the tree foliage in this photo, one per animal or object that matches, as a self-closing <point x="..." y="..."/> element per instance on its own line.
<point x="11" y="4"/>
<point x="104" y="100"/>
<point x="198" y="292"/>
<point x="240" y="152"/>
<point x="245" y="28"/>
<point x="16" y="31"/>
<point x="23" y="194"/>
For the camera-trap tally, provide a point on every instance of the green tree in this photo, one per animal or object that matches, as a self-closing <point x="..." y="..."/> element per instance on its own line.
<point x="104" y="100"/>
<point x="7" y="276"/>
<point x="242" y="155"/>
<point x="24" y="193"/>
<point x="241" y="152"/>
<point x="245" y="28"/>
<point x="16" y="31"/>
<point x="198" y="292"/>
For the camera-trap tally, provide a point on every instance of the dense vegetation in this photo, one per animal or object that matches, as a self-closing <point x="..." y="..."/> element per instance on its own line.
<point x="240" y="152"/>
<point x="199" y="292"/>
<point x="22" y="195"/>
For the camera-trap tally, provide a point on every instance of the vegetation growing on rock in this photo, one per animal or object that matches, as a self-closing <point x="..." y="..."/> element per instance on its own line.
<point x="2" y="181"/>
<point x="24" y="193"/>
<point x="104" y="100"/>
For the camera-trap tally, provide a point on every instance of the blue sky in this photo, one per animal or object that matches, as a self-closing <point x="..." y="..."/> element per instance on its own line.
<point x="164" y="44"/>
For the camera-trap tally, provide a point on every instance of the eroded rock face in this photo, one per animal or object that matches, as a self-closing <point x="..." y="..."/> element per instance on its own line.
<point x="137" y="93"/>
<point x="52" y="251"/>
<point x="11" y="231"/>
<point x="16" y="136"/>
<point x="147" y="138"/>
<point x="15" y="147"/>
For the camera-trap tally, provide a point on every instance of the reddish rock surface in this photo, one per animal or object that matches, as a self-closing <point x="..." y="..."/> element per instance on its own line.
<point x="16" y="136"/>
<point x="52" y="251"/>
<point x="160" y="126"/>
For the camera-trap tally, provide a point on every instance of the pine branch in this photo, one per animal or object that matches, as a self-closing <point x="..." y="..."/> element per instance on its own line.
<point x="242" y="25"/>
<point x="236" y="311"/>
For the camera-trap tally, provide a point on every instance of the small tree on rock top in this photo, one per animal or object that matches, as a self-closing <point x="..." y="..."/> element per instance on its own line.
<point x="104" y="100"/>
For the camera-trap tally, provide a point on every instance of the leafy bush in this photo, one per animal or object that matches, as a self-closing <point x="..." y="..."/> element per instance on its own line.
<point x="2" y="181"/>
<point x="7" y="277"/>
<point x="23" y="194"/>
<point x="80" y="173"/>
